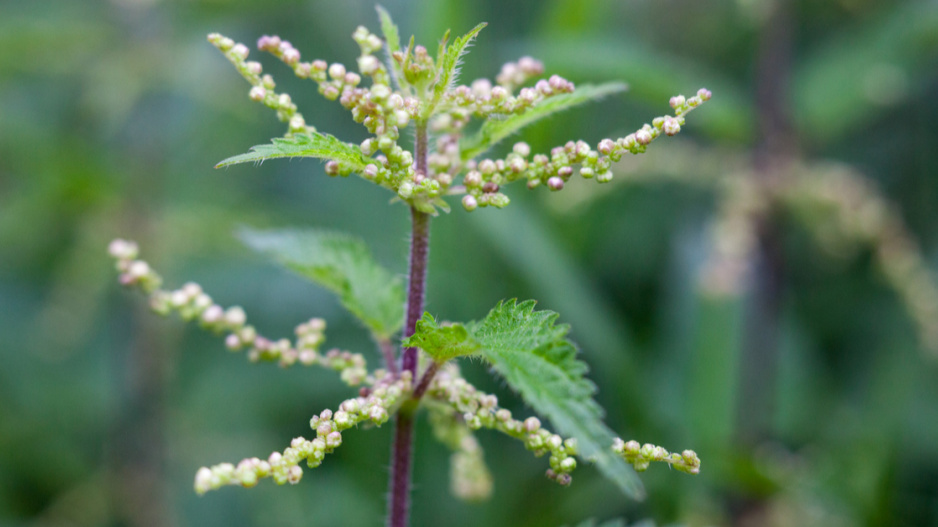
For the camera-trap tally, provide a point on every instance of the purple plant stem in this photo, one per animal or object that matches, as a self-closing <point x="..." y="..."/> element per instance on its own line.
<point x="402" y="449"/>
<point x="387" y="350"/>
<point x="425" y="379"/>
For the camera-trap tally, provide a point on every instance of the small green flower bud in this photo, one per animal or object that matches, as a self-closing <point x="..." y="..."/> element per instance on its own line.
<point x="385" y="144"/>
<point x="522" y="149"/>
<point x="532" y="424"/>
<point x="671" y="126"/>
<point x="123" y="249"/>
<point x="257" y="93"/>
<point x="275" y="459"/>
<point x="337" y="71"/>
<point x="235" y="317"/>
<point x="380" y="92"/>
<point x="253" y="67"/>
<point x="291" y="56"/>
<point x="472" y="179"/>
<point x="240" y="51"/>
<point x="138" y="270"/>
<point x="368" y="64"/>
<point x="469" y="203"/>
<point x="487" y="166"/>
<point x="297" y="124"/>
<point x="402" y="118"/>
<point x="568" y="464"/>
<point x="406" y="190"/>
<point x="606" y="146"/>
<point x="648" y="451"/>
<point x="294" y="474"/>
<point x="203" y="480"/>
<point x="642" y="137"/>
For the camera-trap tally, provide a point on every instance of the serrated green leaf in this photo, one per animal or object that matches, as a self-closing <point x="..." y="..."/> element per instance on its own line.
<point x="391" y="35"/>
<point x="342" y="264"/>
<point x="448" y="68"/>
<point x="392" y="39"/>
<point x="314" y="144"/>
<point x="441" y="342"/>
<point x="534" y="356"/>
<point x="494" y="130"/>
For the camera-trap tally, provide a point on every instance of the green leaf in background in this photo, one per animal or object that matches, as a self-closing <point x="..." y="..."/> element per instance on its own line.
<point x="533" y="354"/>
<point x="448" y="68"/>
<point x="313" y="144"/>
<point x="342" y="264"/>
<point x="592" y="522"/>
<point x="441" y="342"/>
<point x="494" y="130"/>
<point x="858" y="73"/>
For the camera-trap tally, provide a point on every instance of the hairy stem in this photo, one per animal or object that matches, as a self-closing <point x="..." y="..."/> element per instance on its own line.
<point x="387" y="351"/>
<point x="424" y="383"/>
<point x="402" y="450"/>
<point x="399" y="510"/>
<point x="419" y="251"/>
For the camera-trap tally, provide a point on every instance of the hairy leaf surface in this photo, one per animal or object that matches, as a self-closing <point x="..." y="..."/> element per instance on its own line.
<point x="314" y="144"/>
<point x="534" y="356"/>
<point x="494" y="130"/>
<point x="342" y="264"/>
<point x="448" y="68"/>
<point x="442" y="342"/>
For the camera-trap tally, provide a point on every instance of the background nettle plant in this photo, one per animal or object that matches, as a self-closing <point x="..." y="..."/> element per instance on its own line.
<point x="526" y="347"/>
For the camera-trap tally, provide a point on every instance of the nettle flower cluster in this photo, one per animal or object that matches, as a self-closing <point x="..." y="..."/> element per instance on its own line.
<point x="526" y="347"/>
<point x="457" y="406"/>
<point x="415" y="88"/>
<point x="191" y="303"/>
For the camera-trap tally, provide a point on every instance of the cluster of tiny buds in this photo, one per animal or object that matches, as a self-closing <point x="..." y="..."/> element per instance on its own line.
<point x="192" y="303"/>
<point x="262" y="85"/>
<point x="378" y="108"/>
<point x="481" y="99"/>
<point x="861" y="214"/>
<point x="485" y="177"/>
<point x="384" y="112"/>
<point x="640" y="456"/>
<point x="375" y="406"/>
<point x="470" y="479"/>
<point x="514" y="74"/>
<point x="480" y="410"/>
<point x="133" y="272"/>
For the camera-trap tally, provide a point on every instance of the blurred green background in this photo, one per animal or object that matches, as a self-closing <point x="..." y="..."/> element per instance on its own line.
<point x="809" y="395"/>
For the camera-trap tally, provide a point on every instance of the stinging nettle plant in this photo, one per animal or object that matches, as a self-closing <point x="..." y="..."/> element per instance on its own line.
<point x="526" y="347"/>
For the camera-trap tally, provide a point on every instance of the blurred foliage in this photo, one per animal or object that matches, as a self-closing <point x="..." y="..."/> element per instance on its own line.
<point x="113" y="113"/>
